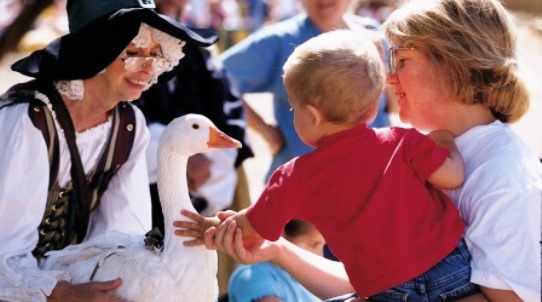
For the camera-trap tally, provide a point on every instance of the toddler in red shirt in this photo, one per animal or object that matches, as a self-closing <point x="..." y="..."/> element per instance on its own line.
<point x="372" y="193"/>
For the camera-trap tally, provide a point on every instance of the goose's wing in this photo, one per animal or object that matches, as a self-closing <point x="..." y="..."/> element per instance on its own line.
<point x="112" y="256"/>
<point x="146" y="277"/>
<point x="80" y="260"/>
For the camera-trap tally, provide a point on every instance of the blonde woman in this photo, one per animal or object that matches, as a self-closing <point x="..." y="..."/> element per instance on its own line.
<point x="454" y="67"/>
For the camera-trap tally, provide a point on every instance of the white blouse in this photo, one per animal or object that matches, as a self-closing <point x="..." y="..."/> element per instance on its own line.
<point x="24" y="176"/>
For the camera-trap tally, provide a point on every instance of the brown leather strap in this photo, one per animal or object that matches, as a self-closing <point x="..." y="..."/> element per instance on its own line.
<point x="42" y="119"/>
<point x="80" y="210"/>
<point x="117" y="150"/>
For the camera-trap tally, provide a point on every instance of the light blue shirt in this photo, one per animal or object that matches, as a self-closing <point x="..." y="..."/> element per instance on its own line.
<point x="255" y="65"/>
<point x="252" y="282"/>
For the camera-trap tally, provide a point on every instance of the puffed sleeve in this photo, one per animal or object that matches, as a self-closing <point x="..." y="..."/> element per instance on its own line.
<point x="24" y="177"/>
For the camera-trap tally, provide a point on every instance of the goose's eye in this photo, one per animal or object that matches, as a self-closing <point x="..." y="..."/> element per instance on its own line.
<point x="195" y="126"/>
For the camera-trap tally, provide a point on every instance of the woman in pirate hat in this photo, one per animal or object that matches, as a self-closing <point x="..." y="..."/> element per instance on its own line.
<point x="72" y="147"/>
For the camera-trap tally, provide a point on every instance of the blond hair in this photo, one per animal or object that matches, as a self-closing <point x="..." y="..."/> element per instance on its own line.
<point x="474" y="43"/>
<point x="340" y="72"/>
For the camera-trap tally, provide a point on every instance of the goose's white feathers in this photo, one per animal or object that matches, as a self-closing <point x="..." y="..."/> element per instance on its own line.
<point x="179" y="273"/>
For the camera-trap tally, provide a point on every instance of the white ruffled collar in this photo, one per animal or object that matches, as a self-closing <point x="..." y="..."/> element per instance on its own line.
<point x="85" y="136"/>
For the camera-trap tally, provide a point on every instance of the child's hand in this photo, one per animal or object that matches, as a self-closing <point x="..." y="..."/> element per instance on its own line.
<point x="196" y="228"/>
<point x="443" y="138"/>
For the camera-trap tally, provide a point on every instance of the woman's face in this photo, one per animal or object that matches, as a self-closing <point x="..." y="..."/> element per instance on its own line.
<point x="418" y="86"/>
<point x="326" y="12"/>
<point x="127" y="77"/>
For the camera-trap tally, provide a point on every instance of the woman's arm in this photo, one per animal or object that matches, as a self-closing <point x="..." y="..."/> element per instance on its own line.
<point x="323" y="277"/>
<point x="270" y="133"/>
<point x="499" y="295"/>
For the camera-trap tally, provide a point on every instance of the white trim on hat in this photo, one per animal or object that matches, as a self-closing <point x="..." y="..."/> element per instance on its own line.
<point x="147" y="3"/>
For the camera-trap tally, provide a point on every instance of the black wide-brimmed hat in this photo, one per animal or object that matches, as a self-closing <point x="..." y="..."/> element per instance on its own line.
<point x="99" y="31"/>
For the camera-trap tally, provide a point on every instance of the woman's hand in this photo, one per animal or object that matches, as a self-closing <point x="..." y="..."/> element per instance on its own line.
<point x="270" y="133"/>
<point x="92" y="291"/>
<point x="198" y="171"/>
<point x="273" y="137"/>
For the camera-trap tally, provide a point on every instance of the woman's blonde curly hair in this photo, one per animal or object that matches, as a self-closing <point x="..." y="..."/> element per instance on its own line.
<point x="475" y="44"/>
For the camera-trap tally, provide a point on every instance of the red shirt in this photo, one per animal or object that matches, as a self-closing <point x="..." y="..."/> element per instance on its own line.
<point x="365" y="190"/>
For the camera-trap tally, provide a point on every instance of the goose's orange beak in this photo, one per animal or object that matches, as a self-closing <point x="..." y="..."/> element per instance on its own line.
<point x="218" y="139"/>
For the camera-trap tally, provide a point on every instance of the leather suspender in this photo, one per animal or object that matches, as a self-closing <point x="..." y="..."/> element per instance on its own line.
<point x="79" y="212"/>
<point x="42" y="119"/>
<point x="116" y="151"/>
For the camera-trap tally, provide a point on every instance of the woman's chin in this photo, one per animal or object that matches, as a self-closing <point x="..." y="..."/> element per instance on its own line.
<point x="403" y="118"/>
<point x="133" y="95"/>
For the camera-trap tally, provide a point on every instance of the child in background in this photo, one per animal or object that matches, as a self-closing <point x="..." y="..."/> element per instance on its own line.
<point x="372" y="193"/>
<point x="252" y="283"/>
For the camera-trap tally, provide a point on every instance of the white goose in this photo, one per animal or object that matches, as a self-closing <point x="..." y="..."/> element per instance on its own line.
<point x="178" y="273"/>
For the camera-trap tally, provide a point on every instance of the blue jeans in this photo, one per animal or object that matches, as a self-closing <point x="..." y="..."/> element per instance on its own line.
<point x="448" y="280"/>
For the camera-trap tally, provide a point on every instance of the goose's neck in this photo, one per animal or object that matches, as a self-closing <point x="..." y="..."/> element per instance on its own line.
<point x="173" y="192"/>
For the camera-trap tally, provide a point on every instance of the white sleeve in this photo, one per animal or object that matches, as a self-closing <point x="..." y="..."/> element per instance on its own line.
<point x="24" y="177"/>
<point x="126" y="204"/>
<point x="501" y="205"/>
<point x="503" y="237"/>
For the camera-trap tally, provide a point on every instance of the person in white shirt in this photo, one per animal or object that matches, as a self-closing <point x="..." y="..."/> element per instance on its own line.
<point x="84" y="173"/>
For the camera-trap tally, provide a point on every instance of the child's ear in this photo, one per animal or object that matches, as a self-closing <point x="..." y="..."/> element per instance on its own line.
<point x="317" y="114"/>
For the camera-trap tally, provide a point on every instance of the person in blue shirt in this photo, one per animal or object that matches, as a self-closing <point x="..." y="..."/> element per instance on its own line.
<point x="255" y="65"/>
<point x="268" y="282"/>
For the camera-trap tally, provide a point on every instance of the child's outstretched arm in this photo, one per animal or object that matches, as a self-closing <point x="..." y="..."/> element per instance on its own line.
<point x="451" y="173"/>
<point x="201" y="224"/>
<point x="325" y="278"/>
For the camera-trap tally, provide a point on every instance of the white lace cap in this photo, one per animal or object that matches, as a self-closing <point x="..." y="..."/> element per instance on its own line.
<point x="172" y="50"/>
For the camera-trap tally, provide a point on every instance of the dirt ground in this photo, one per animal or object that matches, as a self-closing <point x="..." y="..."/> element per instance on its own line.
<point x="529" y="128"/>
